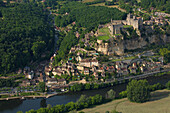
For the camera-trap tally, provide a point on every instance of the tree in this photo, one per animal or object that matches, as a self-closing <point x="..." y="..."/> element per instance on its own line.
<point x="31" y="111"/>
<point x="111" y="94"/>
<point x="49" y="106"/>
<point x="8" y="1"/>
<point x="87" y="86"/>
<point x="81" y="101"/>
<point x="42" y="86"/>
<point x="1" y="2"/>
<point x="138" y="91"/>
<point x="70" y="106"/>
<point x="163" y="51"/>
<point x="37" y="48"/>
<point x="168" y="85"/>
<point x="123" y="94"/>
<point x="19" y="112"/>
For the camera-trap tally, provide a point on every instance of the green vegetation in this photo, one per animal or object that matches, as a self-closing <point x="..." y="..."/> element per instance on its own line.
<point x="86" y="16"/>
<point x="105" y="31"/>
<point x="83" y="102"/>
<point x="165" y="52"/>
<point x="86" y="102"/>
<point x="81" y="87"/>
<point x="65" y="45"/>
<point x="168" y="85"/>
<point x="8" y="83"/>
<point x="111" y="94"/>
<point x="23" y="36"/>
<point x="159" y="102"/>
<point x="138" y="91"/>
<point x="4" y="96"/>
<point x="42" y="86"/>
<point x="127" y="58"/>
<point x="29" y="94"/>
<point x="123" y="94"/>
<point x="103" y="37"/>
<point x="95" y="2"/>
<point x="127" y="26"/>
<point x="162" y="5"/>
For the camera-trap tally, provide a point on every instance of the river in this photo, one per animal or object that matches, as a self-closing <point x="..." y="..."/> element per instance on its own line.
<point x="12" y="106"/>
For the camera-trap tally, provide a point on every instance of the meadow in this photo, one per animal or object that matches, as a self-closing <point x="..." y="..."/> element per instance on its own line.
<point x="159" y="103"/>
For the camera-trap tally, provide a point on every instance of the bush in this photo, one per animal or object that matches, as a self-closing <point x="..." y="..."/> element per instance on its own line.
<point x="123" y="94"/>
<point x="157" y="86"/>
<point x="138" y="91"/>
<point x="110" y="94"/>
<point x="168" y="85"/>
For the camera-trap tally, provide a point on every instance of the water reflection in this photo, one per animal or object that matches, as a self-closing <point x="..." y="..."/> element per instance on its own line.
<point x="43" y="103"/>
<point x="10" y="105"/>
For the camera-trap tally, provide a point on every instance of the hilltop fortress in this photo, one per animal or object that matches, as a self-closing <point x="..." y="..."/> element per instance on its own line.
<point x="117" y="44"/>
<point x="117" y="25"/>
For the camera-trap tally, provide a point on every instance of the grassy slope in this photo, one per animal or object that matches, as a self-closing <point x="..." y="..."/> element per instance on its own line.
<point x="159" y="103"/>
<point x="103" y="37"/>
<point x="84" y="1"/>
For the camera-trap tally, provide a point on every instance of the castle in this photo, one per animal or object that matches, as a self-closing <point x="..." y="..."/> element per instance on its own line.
<point x="117" y="25"/>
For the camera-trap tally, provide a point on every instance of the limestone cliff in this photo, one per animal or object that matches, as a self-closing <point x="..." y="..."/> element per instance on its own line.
<point x="118" y="47"/>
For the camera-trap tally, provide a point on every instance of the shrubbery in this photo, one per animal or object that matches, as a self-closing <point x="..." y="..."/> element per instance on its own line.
<point x="138" y="91"/>
<point x="168" y="85"/>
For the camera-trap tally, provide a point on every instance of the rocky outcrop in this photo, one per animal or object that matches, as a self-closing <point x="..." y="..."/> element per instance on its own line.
<point x="119" y="46"/>
<point x="144" y="41"/>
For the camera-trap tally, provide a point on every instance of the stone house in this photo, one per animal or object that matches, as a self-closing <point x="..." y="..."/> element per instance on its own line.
<point x="62" y="81"/>
<point x="57" y="72"/>
<point x="86" y="71"/>
<point x="81" y="68"/>
<point x="89" y="62"/>
<point x="25" y="83"/>
<point x="30" y="75"/>
<point x="119" y="72"/>
<point x="52" y="81"/>
<point x="125" y="71"/>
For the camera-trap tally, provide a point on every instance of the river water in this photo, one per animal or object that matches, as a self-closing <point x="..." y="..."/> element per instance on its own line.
<point x="12" y="106"/>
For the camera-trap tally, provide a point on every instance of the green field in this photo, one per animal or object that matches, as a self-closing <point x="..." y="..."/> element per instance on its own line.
<point x="103" y="37"/>
<point x="159" y="103"/>
<point x="127" y="58"/>
<point x="105" y="31"/>
<point x="127" y="26"/>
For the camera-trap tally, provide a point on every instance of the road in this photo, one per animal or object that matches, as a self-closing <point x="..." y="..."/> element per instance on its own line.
<point x="142" y="75"/>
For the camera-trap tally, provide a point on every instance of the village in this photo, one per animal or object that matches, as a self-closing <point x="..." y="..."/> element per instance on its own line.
<point x="101" y="58"/>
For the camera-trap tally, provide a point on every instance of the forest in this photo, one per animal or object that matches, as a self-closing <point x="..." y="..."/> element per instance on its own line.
<point x="162" y="5"/>
<point x="25" y="32"/>
<point x="86" y="16"/>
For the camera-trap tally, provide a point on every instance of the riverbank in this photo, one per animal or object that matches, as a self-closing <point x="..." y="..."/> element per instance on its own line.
<point x="159" y="103"/>
<point x="33" y="96"/>
<point x="12" y="106"/>
<point x="100" y="86"/>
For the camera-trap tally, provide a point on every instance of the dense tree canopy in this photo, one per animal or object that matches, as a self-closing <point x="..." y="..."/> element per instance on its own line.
<point x="163" y="5"/>
<point x="68" y="41"/>
<point x="138" y="91"/>
<point x="24" y="33"/>
<point x="86" y="16"/>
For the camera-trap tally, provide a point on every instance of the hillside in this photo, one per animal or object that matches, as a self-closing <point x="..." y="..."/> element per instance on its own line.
<point x="24" y="32"/>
